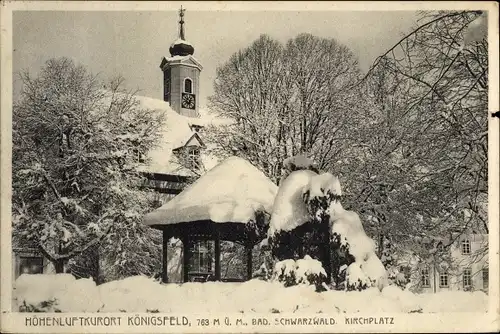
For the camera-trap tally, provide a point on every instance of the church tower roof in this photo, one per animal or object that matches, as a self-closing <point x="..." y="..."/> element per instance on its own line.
<point x="181" y="47"/>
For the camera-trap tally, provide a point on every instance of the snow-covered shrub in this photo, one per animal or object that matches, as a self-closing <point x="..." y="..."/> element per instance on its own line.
<point x="290" y="220"/>
<point x="398" y="276"/>
<point x="305" y="271"/>
<point x="308" y="219"/>
<point x="55" y="293"/>
<point x="356" y="250"/>
<point x="263" y="272"/>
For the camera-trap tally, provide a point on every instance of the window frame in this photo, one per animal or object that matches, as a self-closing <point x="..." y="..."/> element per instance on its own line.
<point x="466" y="247"/>
<point x="201" y="260"/>
<point x="24" y="256"/>
<point x="487" y="281"/>
<point x="193" y="156"/>
<point x="425" y="278"/>
<point x="467" y="278"/>
<point x="444" y="275"/>
<point x="184" y="90"/>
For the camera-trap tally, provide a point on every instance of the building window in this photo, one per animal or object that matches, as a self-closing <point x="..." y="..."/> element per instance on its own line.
<point x="201" y="257"/>
<point x="30" y="265"/>
<point x="188" y="85"/>
<point x="193" y="157"/>
<point x="466" y="278"/>
<point x="466" y="246"/>
<point x="443" y="280"/>
<point x="425" y="278"/>
<point x="486" y="278"/>
<point x="139" y="157"/>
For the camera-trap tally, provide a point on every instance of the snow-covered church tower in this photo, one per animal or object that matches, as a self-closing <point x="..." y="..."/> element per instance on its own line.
<point x="181" y="75"/>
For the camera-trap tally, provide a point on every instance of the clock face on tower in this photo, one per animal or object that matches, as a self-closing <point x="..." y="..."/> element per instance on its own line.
<point x="188" y="101"/>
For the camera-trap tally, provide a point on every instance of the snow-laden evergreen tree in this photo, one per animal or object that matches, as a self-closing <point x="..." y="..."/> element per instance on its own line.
<point x="308" y="224"/>
<point x="77" y="144"/>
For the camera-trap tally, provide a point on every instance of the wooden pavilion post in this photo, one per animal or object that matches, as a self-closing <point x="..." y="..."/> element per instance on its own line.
<point x="248" y="252"/>
<point x="164" y="274"/>
<point x="217" y="254"/>
<point x="186" y="244"/>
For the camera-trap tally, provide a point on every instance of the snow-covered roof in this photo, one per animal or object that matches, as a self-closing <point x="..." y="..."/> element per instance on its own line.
<point x="178" y="59"/>
<point x="233" y="191"/>
<point x="180" y="41"/>
<point x="176" y="132"/>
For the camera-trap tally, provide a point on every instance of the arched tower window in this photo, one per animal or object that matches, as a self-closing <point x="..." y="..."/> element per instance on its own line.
<point x="188" y="85"/>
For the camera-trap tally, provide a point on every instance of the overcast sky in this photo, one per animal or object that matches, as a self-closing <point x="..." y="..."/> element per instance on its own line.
<point x="133" y="43"/>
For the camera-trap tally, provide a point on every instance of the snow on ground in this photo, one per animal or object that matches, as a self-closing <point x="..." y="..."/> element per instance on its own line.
<point x="233" y="191"/>
<point x="34" y="289"/>
<point x="141" y="294"/>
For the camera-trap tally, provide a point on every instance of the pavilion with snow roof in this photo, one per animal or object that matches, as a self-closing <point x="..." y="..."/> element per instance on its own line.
<point x="231" y="202"/>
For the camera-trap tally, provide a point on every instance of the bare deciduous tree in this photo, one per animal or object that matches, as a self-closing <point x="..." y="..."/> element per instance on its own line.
<point x="286" y="100"/>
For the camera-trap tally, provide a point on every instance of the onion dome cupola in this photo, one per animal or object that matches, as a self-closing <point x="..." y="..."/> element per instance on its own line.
<point x="181" y="75"/>
<point x="181" y="47"/>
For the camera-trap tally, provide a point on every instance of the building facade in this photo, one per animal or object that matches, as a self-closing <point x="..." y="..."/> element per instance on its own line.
<point x="466" y="267"/>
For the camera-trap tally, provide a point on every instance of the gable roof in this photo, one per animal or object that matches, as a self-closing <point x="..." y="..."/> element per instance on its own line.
<point x="194" y="140"/>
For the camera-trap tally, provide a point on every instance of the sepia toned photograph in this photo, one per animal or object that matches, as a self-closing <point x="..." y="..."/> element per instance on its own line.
<point x="215" y="167"/>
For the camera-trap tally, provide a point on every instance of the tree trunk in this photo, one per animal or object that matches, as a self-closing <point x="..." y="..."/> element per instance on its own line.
<point x="380" y="249"/>
<point x="249" y="261"/>
<point x="59" y="266"/>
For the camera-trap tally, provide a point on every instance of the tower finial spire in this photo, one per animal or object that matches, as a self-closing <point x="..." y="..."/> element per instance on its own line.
<point x="181" y="47"/>
<point x="181" y="23"/>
